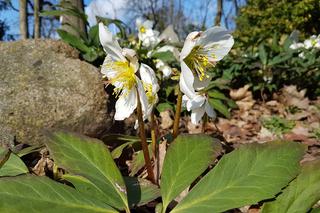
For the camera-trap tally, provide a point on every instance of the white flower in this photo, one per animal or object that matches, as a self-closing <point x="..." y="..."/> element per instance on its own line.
<point x="151" y="87"/>
<point x="312" y="42"/>
<point x="301" y="55"/>
<point x="119" y="68"/>
<point x="295" y="45"/>
<point x="201" y="51"/>
<point x="150" y="84"/>
<point x="164" y="68"/>
<point x="198" y="105"/>
<point x="146" y="34"/>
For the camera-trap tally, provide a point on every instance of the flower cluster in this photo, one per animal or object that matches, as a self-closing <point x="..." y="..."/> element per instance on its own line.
<point x="312" y="42"/>
<point x="136" y="82"/>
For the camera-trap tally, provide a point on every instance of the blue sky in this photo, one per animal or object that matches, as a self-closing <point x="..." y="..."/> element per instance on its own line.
<point x="12" y="17"/>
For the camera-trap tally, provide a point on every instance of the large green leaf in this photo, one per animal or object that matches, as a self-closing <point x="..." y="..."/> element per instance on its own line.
<point x="91" y="159"/>
<point x="140" y="191"/>
<point x="41" y="194"/>
<point x="85" y="186"/>
<point x="187" y="157"/>
<point x="11" y="164"/>
<point x="301" y="194"/>
<point x="245" y="176"/>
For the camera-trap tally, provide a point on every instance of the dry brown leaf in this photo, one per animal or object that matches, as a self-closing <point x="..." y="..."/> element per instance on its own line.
<point x="166" y="120"/>
<point x="158" y="164"/>
<point x="238" y="94"/>
<point x="299" y="129"/>
<point x="291" y="97"/>
<point x="194" y="128"/>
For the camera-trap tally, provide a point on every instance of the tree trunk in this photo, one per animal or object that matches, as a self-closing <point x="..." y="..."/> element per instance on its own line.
<point x="217" y="20"/>
<point x="23" y="19"/>
<point x="78" y="25"/>
<point x="36" y="9"/>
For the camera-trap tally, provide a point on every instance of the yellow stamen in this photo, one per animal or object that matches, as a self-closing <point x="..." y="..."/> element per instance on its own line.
<point x="198" y="62"/>
<point x="148" y="89"/>
<point x="125" y="76"/>
<point x="142" y="29"/>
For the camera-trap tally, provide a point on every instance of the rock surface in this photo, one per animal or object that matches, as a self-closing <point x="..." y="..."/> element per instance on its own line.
<point x="44" y="86"/>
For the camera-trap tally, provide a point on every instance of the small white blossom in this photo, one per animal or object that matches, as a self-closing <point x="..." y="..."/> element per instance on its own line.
<point x="164" y="68"/>
<point x="146" y="34"/>
<point x="312" y="42"/>
<point x="295" y="46"/>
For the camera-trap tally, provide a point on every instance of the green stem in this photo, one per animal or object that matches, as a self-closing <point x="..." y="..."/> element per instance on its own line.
<point x="177" y="115"/>
<point x="144" y="141"/>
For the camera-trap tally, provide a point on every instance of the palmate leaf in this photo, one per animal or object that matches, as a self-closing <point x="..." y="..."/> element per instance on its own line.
<point x="187" y="157"/>
<point x="91" y="159"/>
<point x="301" y="194"/>
<point x="40" y="194"/>
<point x="243" y="177"/>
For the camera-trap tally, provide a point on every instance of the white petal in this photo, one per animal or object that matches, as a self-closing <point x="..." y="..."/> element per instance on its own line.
<point x="169" y="34"/>
<point x="210" y="111"/>
<point x="186" y="81"/>
<point x="143" y="99"/>
<point x="126" y="104"/>
<point x="166" y="70"/>
<point x="105" y="68"/>
<point x="185" y="100"/>
<point x="197" y="114"/>
<point x="139" y="22"/>
<point x="196" y="102"/>
<point x="218" y="41"/>
<point x="148" y="76"/>
<point x="131" y="55"/>
<point x="110" y="44"/>
<point x="188" y="44"/>
<point x="148" y="24"/>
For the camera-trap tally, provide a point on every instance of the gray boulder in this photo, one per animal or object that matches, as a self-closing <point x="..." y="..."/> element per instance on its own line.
<point x="43" y="85"/>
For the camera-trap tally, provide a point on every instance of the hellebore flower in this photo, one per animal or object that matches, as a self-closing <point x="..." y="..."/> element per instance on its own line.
<point x="146" y="34"/>
<point x="201" y="51"/>
<point x="120" y="67"/>
<point x="151" y="86"/>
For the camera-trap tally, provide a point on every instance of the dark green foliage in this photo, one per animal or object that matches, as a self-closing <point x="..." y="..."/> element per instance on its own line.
<point x="260" y="19"/>
<point x="271" y="65"/>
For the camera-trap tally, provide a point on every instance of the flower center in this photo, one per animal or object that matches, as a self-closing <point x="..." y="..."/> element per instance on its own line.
<point x="198" y="61"/>
<point x="142" y="29"/>
<point x="124" y="79"/>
